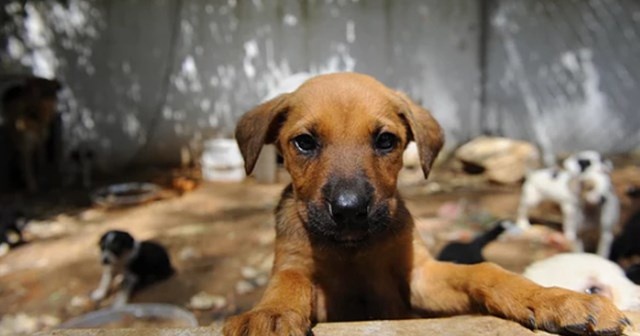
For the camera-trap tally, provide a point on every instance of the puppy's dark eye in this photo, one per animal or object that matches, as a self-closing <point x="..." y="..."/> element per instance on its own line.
<point x="385" y="142"/>
<point x="305" y="143"/>
<point x="593" y="290"/>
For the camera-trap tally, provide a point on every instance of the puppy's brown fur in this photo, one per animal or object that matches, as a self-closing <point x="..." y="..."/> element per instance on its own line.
<point x="373" y="265"/>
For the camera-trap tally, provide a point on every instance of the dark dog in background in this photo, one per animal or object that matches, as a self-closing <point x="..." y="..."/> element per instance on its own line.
<point x="625" y="249"/>
<point x="141" y="263"/>
<point x="28" y="111"/>
<point x="471" y="253"/>
<point x="12" y="222"/>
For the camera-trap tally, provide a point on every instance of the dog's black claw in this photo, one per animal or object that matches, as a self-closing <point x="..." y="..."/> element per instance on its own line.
<point x="608" y="332"/>
<point x="531" y="323"/>
<point x="309" y="332"/>
<point x="550" y="327"/>
<point x="625" y="321"/>
<point x="575" y="329"/>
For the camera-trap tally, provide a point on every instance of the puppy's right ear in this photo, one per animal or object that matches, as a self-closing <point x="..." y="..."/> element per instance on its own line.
<point x="424" y="129"/>
<point x="260" y="126"/>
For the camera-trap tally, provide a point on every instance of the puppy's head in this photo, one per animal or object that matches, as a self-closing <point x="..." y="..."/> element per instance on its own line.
<point x="586" y="161"/>
<point x="595" y="187"/>
<point x="342" y="137"/>
<point x="586" y="273"/>
<point x="115" y="246"/>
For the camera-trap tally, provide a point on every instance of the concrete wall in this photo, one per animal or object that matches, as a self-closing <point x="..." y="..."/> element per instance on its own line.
<point x="149" y="80"/>
<point x="565" y="73"/>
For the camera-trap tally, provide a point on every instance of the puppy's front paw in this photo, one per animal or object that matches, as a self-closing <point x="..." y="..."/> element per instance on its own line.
<point x="569" y="313"/>
<point x="268" y="321"/>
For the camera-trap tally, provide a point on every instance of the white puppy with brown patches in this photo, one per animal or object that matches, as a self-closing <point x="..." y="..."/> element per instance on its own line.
<point x="587" y="273"/>
<point x="573" y="193"/>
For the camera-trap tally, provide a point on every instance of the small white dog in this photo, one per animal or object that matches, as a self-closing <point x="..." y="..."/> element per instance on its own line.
<point x="586" y="273"/>
<point x="573" y="192"/>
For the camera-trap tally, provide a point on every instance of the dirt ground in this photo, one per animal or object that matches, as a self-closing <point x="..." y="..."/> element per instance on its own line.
<point x="220" y="238"/>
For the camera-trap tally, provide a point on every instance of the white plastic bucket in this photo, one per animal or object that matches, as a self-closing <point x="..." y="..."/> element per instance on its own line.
<point x="222" y="161"/>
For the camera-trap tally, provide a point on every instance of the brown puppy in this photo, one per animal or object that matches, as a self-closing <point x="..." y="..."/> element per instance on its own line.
<point x="346" y="247"/>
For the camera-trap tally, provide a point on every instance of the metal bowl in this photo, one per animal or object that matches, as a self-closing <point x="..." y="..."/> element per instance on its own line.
<point x="125" y="194"/>
<point x="140" y="315"/>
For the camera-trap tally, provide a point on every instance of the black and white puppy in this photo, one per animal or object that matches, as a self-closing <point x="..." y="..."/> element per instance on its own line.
<point x="626" y="248"/>
<point x="140" y="262"/>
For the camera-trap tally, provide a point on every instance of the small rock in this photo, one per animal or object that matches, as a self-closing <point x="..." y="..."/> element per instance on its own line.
<point x="261" y="280"/>
<point x="24" y="324"/>
<point x="4" y="249"/>
<point x="205" y="301"/>
<point x="44" y="230"/>
<point x="249" y="272"/>
<point x="244" y="287"/>
<point x="188" y="253"/>
<point x="91" y="215"/>
<point x="79" y="301"/>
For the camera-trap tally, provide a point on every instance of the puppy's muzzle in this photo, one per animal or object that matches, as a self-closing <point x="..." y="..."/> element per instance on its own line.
<point x="349" y="209"/>
<point x="346" y="215"/>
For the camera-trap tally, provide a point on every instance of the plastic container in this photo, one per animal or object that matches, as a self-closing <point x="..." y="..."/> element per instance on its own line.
<point x="139" y="315"/>
<point x="222" y="161"/>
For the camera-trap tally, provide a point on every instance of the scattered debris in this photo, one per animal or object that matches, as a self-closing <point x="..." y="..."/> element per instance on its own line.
<point x="58" y="227"/>
<point x="249" y="272"/>
<point x="4" y="249"/>
<point x="244" y="287"/>
<point x="91" y="215"/>
<point x="205" y="301"/>
<point x="188" y="253"/>
<point x="79" y="301"/>
<point x="23" y="324"/>
<point x="183" y="185"/>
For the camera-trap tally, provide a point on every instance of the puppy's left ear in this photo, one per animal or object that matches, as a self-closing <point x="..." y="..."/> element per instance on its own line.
<point x="260" y="126"/>
<point x="424" y="130"/>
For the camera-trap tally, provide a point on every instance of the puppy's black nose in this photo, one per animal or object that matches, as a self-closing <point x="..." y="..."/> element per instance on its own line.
<point x="349" y="209"/>
<point x="603" y="200"/>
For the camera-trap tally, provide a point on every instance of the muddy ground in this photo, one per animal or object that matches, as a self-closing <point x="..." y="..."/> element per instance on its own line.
<point x="220" y="238"/>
